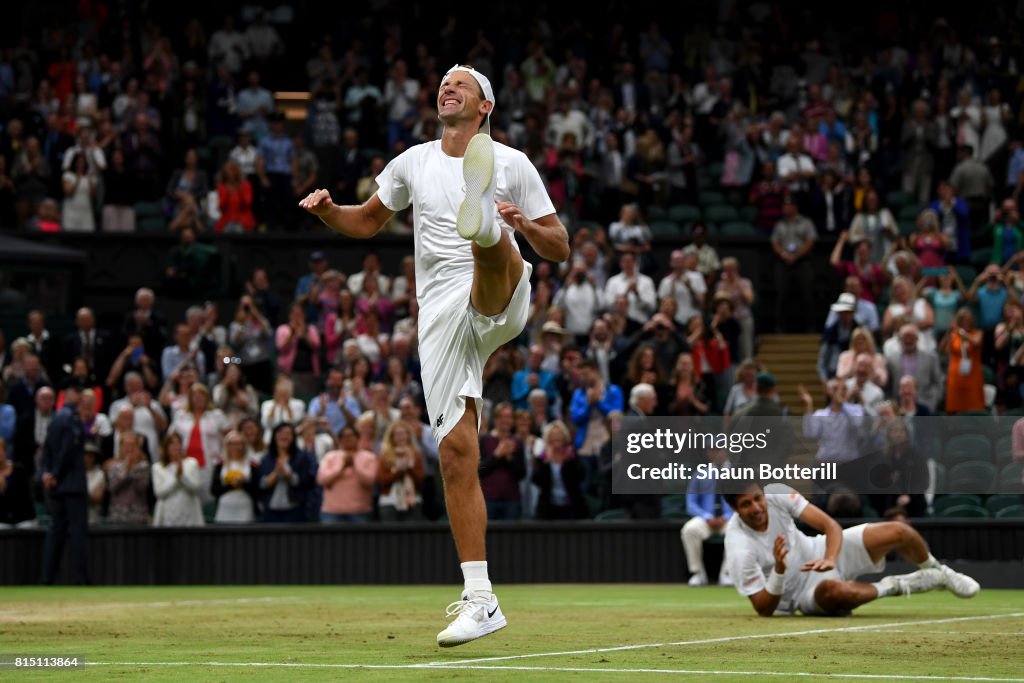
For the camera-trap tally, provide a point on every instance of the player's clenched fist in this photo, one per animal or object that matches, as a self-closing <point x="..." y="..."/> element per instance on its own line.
<point x="317" y="202"/>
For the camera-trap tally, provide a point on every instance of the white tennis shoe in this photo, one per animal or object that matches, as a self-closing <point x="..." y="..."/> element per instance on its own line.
<point x="921" y="581"/>
<point x="960" y="585"/>
<point x="475" y="615"/>
<point x="476" y="214"/>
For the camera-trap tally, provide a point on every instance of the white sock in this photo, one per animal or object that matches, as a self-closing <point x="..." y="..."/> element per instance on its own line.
<point x="475" y="574"/>
<point x="488" y="238"/>
<point x="883" y="592"/>
<point x="930" y="563"/>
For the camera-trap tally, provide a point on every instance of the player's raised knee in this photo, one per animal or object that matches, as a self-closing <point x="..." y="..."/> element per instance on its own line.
<point x="830" y="595"/>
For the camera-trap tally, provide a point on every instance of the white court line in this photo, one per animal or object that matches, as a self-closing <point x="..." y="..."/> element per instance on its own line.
<point x="163" y="603"/>
<point x="725" y="639"/>
<point x="569" y="669"/>
<point x="958" y="633"/>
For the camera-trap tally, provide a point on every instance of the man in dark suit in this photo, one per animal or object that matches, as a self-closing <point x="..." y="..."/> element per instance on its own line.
<point x="64" y="482"/>
<point x="146" y="321"/>
<point x="831" y="204"/>
<point x="30" y="434"/>
<point x="43" y="345"/>
<point x="87" y="341"/>
<point x="23" y="390"/>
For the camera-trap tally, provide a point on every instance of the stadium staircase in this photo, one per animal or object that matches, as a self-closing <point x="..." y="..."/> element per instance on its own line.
<point x="792" y="359"/>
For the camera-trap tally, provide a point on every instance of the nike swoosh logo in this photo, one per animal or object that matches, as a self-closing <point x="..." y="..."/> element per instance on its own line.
<point x="491" y="613"/>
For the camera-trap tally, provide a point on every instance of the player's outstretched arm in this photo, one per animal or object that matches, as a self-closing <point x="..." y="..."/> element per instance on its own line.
<point x="360" y="221"/>
<point x="820" y="520"/>
<point x="546" y="235"/>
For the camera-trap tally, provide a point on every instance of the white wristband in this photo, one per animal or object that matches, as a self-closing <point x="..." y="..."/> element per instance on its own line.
<point x="774" y="584"/>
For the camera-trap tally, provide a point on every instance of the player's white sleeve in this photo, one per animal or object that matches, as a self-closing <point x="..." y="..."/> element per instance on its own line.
<point x="393" y="185"/>
<point x="528" y="190"/>
<point x="793" y="502"/>
<point x="744" y="571"/>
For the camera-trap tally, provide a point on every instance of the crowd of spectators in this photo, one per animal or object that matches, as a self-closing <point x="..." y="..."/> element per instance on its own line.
<point x="902" y="150"/>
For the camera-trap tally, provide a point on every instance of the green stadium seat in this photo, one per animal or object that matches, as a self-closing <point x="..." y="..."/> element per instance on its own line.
<point x="1002" y="455"/>
<point x="675" y="501"/>
<point x="721" y="213"/>
<point x="1011" y="512"/>
<point x="999" y="501"/>
<point x="738" y="229"/>
<point x="967" y="274"/>
<point x="907" y="228"/>
<point x="656" y="213"/>
<point x="675" y="514"/>
<point x="665" y="229"/>
<point x="972" y="477"/>
<point x="684" y="213"/>
<point x="715" y="169"/>
<point x="147" y="209"/>
<point x="970" y="422"/>
<point x="209" y="511"/>
<point x="613" y="515"/>
<point x="965" y="511"/>
<point x="910" y="212"/>
<point x="946" y="501"/>
<point x="710" y="197"/>
<point x="1010" y="478"/>
<point x="967" y="448"/>
<point x="151" y="224"/>
<point x="748" y="214"/>
<point x="897" y="199"/>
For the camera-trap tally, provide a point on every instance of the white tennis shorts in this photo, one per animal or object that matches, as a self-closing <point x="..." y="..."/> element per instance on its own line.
<point x="454" y="345"/>
<point x="854" y="561"/>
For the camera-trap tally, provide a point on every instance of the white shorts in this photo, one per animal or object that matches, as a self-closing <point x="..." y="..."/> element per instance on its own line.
<point x="854" y="561"/>
<point x="455" y="344"/>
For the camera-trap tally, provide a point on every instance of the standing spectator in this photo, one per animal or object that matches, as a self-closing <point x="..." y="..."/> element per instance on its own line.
<point x="16" y="508"/>
<point x="79" y="212"/>
<point x="30" y="433"/>
<point x="708" y="263"/>
<point x="837" y="336"/>
<point x="684" y="284"/>
<point x="128" y="479"/>
<point x="990" y="293"/>
<point x="276" y="168"/>
<point x="861" y="387"/>
<point x="400" y="474"/>
<point x="502" y="466"/>
<point x="531" y="377"/>
<point x="945" y="300"/>
<point x="691" y="393"/>
<point x="176" y="484"/>
<point x="400" y="94"/>
<point x="287" y="476"/>
<point x="744" y="391"/>
<point x="954" y="220"/>
<point x="235" y="483"/>
<point x="709" y="514"/>
<point x="266" y="299"/>
<point x="918" y="138"/>
<point x="638" y="288"/>
<point x="560" y="477"/>
<point x="148" y="417"/>
<point x="740" y="293"/>
<point x="796" y="169"/>
<point x="96" y="483"/>
<point x="201" y="428"/>
<point x="251" y="334"/>
<point x="234" y="201"/>
<point x="972" y="180"/>
<point x="919" y="365"/>
<point x="591" y="402"/>
<point x="22" y="391"/>
<point x="831" y="206"/>
<point x="245" y="154"/>
<point x="862" y="342"/>
<point x="348" y="476"/>
<point x="146" y="321"/>
<point x="1007" y="233"/>
<point x="335" y="403"/>
<point x="233" y="395"/>
<point x="965" y="381"/>
<point x="904" y="300"/>
<point x="869" y="273"/>
<point x="64" y="481"/>
<point x="792" y="241"/>
<point x="143" y="157"/>
<point x="228" y="46"/>
<point x="929" y="244"/>
<point x="135" y="359"/>
<point x="254" y="105"/>
<point x="581" y="300"/>
<point x="298" y="352"/>
<point x="767" y="196"/>
<point x="876" y="224"/>
<point x="182" y="353"/>
<point x="31" y="174"/>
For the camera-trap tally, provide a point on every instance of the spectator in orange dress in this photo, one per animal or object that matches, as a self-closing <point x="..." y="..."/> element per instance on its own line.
<point x="965" y="380"/>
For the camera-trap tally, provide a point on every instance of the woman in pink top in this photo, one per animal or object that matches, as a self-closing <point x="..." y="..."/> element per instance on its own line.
<point x="298" y="351"/>
<point x="347" y="476"/>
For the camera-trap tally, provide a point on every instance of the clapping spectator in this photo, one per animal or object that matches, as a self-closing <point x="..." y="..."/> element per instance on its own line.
<point x="560" y="477"/>
<point x="904" y="300"/>
<point x="188" y="186"/>
<point x="202" y="428"/>
<point x="691" y="394"/>
<point x="638" y="288"/>
<point x="128" y="477"/>
<point x="502" y="466"/>
<point x="282" y="408"/>
<point x="868" y="272"/>
<point x="298" y="351"/>
<point x="176" y="483"/>
<point x="235" y="483"/>
<point x="234" y="201"/>
<point x="233" y="395"/>
<point x="862" y="342"/>
<point x="400" y="475"/>
<point x="287" y="476"/>
<point x="348" y="476"/>
<point x="965" y="381"/>
<point x="251" y="334"/>
<point x="922" y="367"/>
<point x="876" y="224"/>
<point x="80" y="184"/>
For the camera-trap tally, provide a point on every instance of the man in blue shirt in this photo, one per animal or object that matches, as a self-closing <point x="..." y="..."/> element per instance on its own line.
<point x="276" y="168"/>
<point x="335" y="404"/>
<point x="532" y="377"/>
<point x="709" y="515"/>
